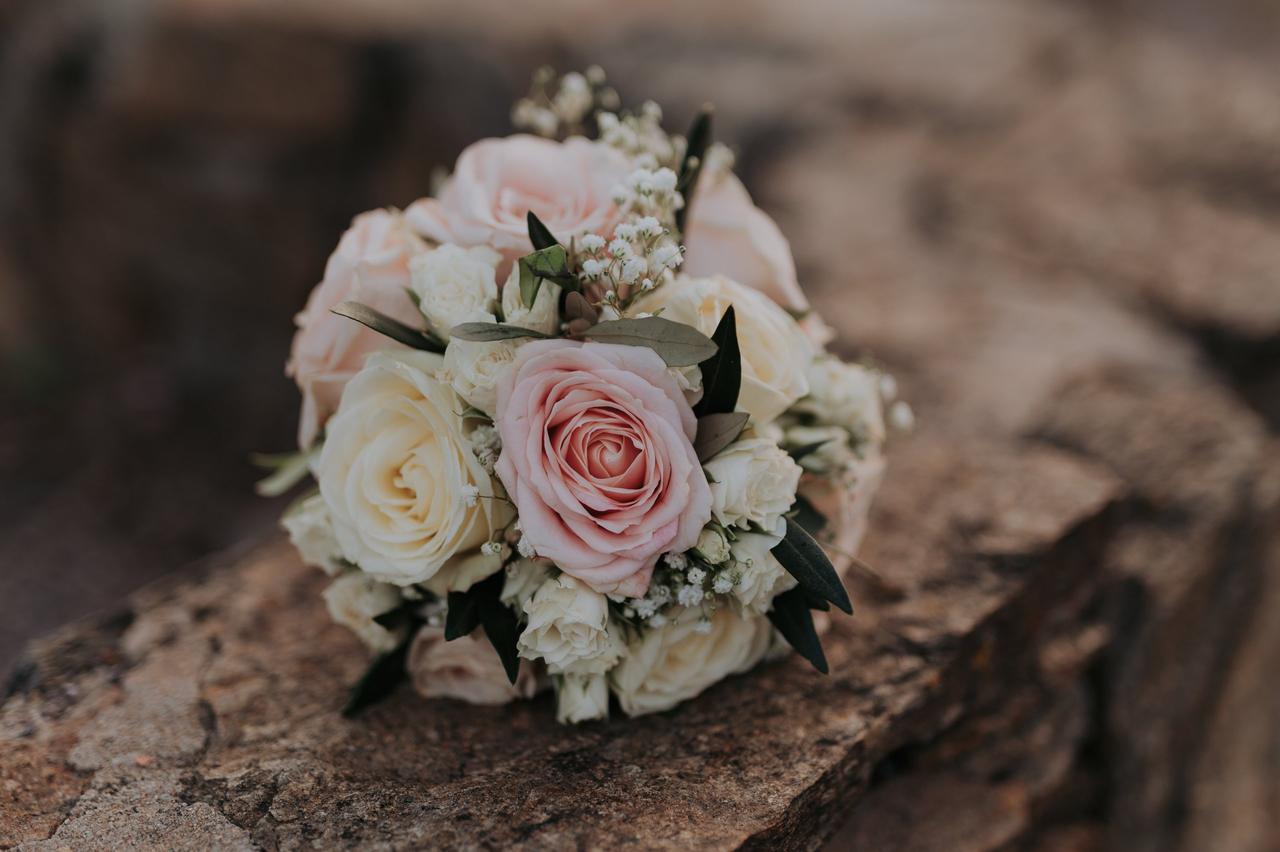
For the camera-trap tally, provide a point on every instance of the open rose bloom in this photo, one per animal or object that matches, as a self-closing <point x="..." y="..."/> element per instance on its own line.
<point x="573" y="424"/>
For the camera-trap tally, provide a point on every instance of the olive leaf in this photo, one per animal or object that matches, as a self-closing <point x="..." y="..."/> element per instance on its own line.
<point x="481" y="605"/>
<point x="462" y="615"/>
<point x="393" y="328"/>
<point x="799" y="452"/>
<point x="790" y="615"/>
<point x="486" y="332"/>
<point x="288" y="469"/>
<point x="545" y="264"/>
<point x="679" y="345"/>
<point x="722" y="372"/>
<point x="539" y="234"/>
<point x="379" y="680"/>
<point x="695" y="153"/>
<point x="717" y="431"/>
<point x="805" y="560"/>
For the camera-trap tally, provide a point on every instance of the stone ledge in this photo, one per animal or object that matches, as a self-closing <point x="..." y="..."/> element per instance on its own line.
<point x="212" y="718"/>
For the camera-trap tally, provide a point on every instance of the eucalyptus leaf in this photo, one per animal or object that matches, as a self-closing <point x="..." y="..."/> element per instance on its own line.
<point x="379" y="680"/>
<point x="486" y="332"/>
<point x="722" y="372"/>
<point x="389" y="326"/>
<point x="679" y="345"/>
<point x="539" y="234"/>
<point x="717" y="431"/>
<point x="790" y="615"/>
<point x="805" y="560"/>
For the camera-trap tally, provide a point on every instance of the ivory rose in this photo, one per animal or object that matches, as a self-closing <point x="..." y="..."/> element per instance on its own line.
<point x="456" y="285"/>
<point x="311" y="533"/>
<point x="753" y="481"/>
<point x="355" y="599"/>
<point x="673" y="663"/>
<point x="760" y="576"/>
<point x="775" y="352"/>
<point x="396" y="470"/>
<point x="568" y="628"/>
<point x="496" y="182"/>
<point x="597" y="456"/>
<point x="582" y="698"/>
<point x="370" y="266"/>
<point x="466" y="668"/>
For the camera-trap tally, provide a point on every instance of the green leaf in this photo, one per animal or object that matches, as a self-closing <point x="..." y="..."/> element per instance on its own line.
<point x="414" y="297"/>
<point x="797" y="453"/>
<point x="679" y="345"/>
<point x="790" y="614"/>
<point x="288" y="470"/>
<point x="388" y="326"/>
<point x="501" y="629"/>
<point x="717" y="431"/>
<point x="545" y="264"/>
<point x="539" y="234"/>
<point x="809" y="518"/>
<point x="485" y="332"/>
<point x="462" y="615"/>
<point x="722" y="372"/>
<point x="805" y="560"/>
<point x="379" y="680"/>
<point x="695" y="154"/>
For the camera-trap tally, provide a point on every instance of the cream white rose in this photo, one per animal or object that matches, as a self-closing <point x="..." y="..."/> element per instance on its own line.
<point x="712" y="546"/>
<point x="456" y="285"/>
<point x="758" y="576"/>
<point x="462" y="572"/>
<point x="568" y="628"/>
<point x="467" y="669"/>
<point x="753" y="481"/>
<point x="472" y="368"/>
<point x="673" y="663"/>
<point x="845" y="395"/>
<point x="524" y="576"/>
<point x="775" y="352"/>
<point x="832" y="454"/>
<point x="355" y="599"/>
<point x="543" y="316"/>
<point x="312" y="534"/>
<point x="582" y="698"/>
<point x="396" y="470"/>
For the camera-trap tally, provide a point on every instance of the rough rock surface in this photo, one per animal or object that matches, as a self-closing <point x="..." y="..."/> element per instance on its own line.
<point x="1056" y="223"/>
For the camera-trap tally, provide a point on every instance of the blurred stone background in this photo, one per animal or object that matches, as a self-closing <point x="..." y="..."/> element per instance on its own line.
<point x="1025" y="209"/>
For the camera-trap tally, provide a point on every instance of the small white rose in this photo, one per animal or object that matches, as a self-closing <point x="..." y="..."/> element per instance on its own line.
<point x="543" y="315"/>
<point x="312" y="534"/>
<point x="524" y="576"/>
<point x="832" y="454"/>
<point x="845" y="395"/>
<point x="712" y="546"/>
<point x="582" y="698"/>
<point x="760" y="576"/>
<point x="675" y="662"/>
<point x="569" y="628"/>
<point x="394" y="468"/>
<point x="467" y="668"/>
<point x="752" y="481"/>
<point x="462" y="572"/>
<point x="472" y="368"/>
<point x="355" y="599"/>
<point x="775" y="352"/>
<point x="456" y="285"/>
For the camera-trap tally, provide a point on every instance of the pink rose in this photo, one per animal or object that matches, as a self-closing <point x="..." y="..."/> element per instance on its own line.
<point x="728" y="235"/>
<point x="467" y="668"/>
<point x="371" y="266"/>
<point x="498" y="181"/>
<point x="597" y="455"/>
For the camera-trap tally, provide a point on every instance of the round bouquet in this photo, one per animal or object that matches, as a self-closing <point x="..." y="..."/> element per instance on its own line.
<point x="573" y="426"/>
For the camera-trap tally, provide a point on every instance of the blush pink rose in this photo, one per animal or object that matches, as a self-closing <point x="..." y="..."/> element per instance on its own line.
<point x="496" y="182"/>
<point x="467" y="669"/>
<point x="370" y="266"/>
<point x="726" y="234"/>
<point x="597" y="455"/>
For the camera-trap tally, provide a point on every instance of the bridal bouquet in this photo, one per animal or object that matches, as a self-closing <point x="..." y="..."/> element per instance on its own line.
<point x="573" y="425"/>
